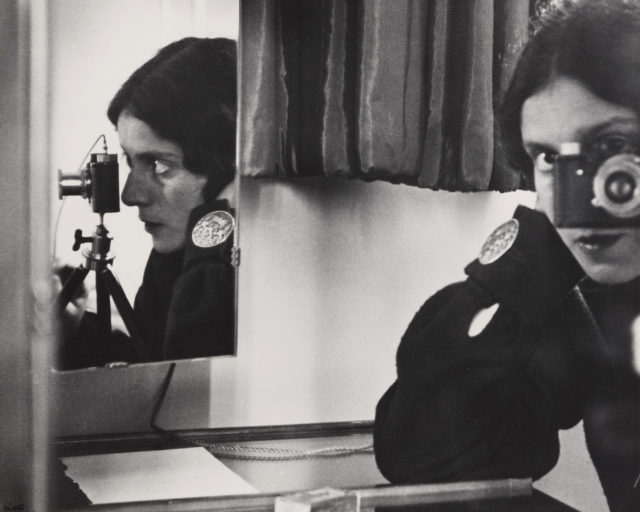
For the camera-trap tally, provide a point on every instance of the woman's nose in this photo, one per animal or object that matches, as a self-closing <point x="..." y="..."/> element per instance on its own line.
<point x="135" y="191"/>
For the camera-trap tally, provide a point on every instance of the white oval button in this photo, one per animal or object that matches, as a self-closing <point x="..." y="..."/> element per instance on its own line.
<point x="212" y="229"/>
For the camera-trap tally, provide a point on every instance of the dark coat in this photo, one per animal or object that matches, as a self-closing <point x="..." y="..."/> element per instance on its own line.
<point x="491" y="405"/>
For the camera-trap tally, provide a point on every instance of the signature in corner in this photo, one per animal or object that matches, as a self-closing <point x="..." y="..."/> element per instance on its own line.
<point x="15" y="507"/>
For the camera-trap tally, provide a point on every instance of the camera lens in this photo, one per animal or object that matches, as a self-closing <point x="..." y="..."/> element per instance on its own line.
<point x="616" y="186"/>
<point x="619" y="187"/>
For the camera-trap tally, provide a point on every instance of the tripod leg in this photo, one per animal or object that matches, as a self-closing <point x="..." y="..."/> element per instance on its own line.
<point x="126" y="312"/>
<point x="69" y="288"/>
<point x="104" y="304"/>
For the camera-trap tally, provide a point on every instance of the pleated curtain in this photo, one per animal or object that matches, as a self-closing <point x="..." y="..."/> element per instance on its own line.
<point x="398" y="90"/>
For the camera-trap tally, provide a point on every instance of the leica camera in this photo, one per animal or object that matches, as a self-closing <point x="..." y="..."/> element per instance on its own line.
<point x="98" y="182"/>
<point x="595" y="190"/>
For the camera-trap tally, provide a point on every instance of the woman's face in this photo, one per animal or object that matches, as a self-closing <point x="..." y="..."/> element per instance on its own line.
<point x="158" y="184"/>
<point x="566" y="111"/>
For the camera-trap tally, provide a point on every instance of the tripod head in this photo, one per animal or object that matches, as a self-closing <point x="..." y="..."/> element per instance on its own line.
<point x="98" y="256"/>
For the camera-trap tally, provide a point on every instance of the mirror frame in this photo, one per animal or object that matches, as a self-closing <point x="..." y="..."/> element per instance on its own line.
<point x="25" y="294"/>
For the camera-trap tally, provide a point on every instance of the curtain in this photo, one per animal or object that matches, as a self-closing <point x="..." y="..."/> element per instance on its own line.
<point x="396" y="90"/>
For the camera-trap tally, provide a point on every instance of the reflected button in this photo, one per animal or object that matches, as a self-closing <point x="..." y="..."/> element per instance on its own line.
<point x="212" y="229"/>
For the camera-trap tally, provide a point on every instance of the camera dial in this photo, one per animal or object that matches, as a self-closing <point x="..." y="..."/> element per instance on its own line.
<point x="616" y="186"/>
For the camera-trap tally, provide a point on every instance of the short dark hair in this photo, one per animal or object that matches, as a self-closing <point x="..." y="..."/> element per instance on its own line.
<point x="187" y="94"/>
<point x="596" y="42"/>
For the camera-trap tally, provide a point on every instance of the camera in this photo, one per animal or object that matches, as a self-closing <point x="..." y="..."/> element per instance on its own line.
<point x="595" y="190"/>
<point x="98" y="182"/>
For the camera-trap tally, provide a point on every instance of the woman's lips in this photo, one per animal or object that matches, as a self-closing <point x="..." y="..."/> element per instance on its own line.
<point x="597" y="242"/>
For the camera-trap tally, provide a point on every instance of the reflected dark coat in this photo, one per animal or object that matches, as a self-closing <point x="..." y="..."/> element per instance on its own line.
<point x="186" y="305"/>
<point x="185" y="308"/>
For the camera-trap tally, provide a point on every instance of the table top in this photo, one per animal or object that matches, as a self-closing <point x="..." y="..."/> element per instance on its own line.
<point x="355" y="472"/>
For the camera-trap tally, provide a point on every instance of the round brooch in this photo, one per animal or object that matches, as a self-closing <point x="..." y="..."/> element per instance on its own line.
<point x="499" y="242"/>
<point x="212" y="229"/>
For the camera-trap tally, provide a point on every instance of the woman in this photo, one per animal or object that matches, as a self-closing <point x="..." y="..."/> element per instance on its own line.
<point x="537" y="338"/>
<point x="175" y="118"/>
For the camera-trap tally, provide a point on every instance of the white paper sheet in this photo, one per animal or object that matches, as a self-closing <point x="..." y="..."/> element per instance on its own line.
<point x="154" y="475"/>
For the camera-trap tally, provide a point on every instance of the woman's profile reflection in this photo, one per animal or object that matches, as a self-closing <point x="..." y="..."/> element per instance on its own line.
<point x="175" y="117"/>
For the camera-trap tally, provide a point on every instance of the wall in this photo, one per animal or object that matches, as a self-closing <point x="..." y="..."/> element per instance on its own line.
<point x="332" y="272"/>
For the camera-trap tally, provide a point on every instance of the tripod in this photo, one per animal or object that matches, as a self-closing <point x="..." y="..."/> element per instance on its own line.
<point x="98" y="259"/>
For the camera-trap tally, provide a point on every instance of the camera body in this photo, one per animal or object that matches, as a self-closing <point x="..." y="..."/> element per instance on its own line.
<point x="98" y="182"/>
<point x="594" y="190"/>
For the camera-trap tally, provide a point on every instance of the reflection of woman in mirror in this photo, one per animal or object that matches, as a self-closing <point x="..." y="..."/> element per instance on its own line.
<point x="538" y="336"/>
<point x="175" y="118"/>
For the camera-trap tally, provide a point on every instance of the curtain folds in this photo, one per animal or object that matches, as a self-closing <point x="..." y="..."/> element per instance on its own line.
<point x="395" y="90"/>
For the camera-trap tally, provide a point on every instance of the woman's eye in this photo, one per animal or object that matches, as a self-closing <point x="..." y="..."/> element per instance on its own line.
<point x="543" y="162"/>
<point x="612" y="145"/>
<point x="160" y="167"/>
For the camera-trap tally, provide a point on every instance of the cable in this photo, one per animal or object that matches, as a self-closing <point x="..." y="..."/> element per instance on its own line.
<point x="242" y="452"/>
<point x="247" y="452"/>
<point x="54" y="249"/>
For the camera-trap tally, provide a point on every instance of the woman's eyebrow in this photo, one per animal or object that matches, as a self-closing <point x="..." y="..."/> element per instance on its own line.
<point x="617" y="122"/>
<point x="586" y="132"/>
<point x="156" y="155"/>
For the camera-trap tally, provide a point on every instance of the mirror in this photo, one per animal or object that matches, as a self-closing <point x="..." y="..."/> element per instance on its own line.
<point x="94" y="48"/>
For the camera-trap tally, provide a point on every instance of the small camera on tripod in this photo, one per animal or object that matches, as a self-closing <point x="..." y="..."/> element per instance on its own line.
<point x="596" y="189"/>
<point x="98" y="182"/>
